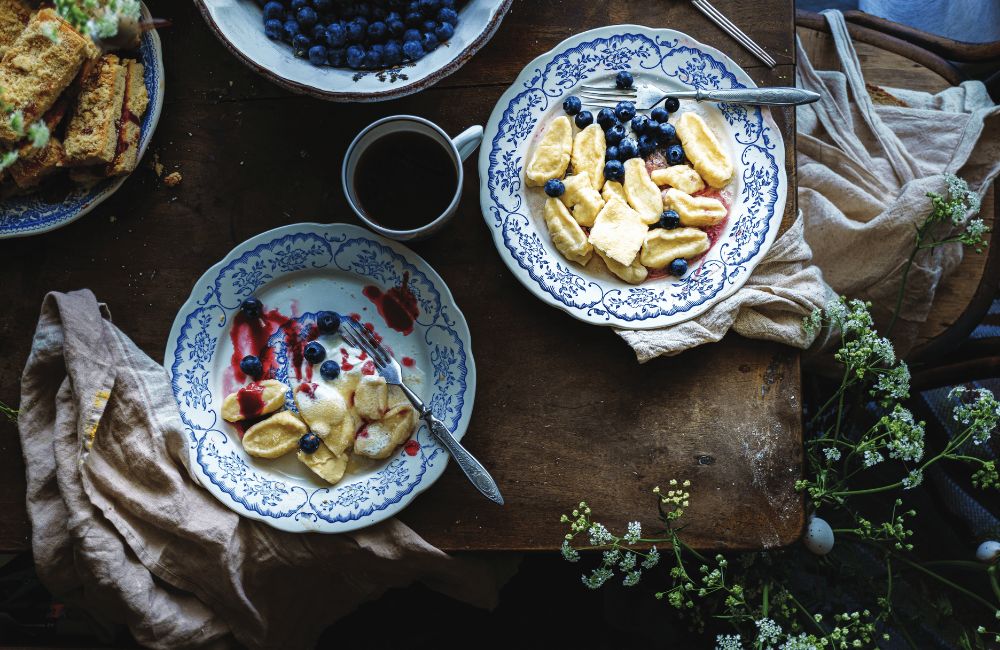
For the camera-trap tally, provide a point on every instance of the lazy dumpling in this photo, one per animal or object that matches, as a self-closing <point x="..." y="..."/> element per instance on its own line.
<point x="589" y="147"/>
<point x="582" y="198"/>
<point x="642" y="193"/>
<point x="275" y="436"/>
<point x="698" y="211"/>
<point x="680" y="176"/>
<point x="662" y="246"/>
<point x="552" y="154"/>
<point x="567" y="235"/>
<point x="379" y="439"/>
<point x="325" y="463"/>
<point x="618" y="231"/>
<point x="253" y="400"/>
<point x="634" y="273"/>
<point x="322" y="407"/>
<point x="703" y="150"/>
<point x="371" y="399"/>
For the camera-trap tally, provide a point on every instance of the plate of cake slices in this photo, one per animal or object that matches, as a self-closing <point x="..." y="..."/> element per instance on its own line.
<point x="286" y="422"/>
<point x="99" y="109"/>
<point x="347" y="51"/>
<point x="631" y="218"/>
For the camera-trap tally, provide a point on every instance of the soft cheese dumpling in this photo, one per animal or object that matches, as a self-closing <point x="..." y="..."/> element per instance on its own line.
<point x="588" y="155"/>
<point x="662" y="246"/>
<point x="322" y="407"/>
<point x="698" y="211"/>
<point x="634" y="273"/>
<point x="371" y="399"/>
<point x="703" y="150"/>
<point x="582" y="198"/>
<point x="680" y="176"/>
<point x="328" y="465"/>
<point x="567" y="236"/>
<point x="379" y="439"/>
<point x="275" y="436"/>
<point x="613" y="188"/>
<point x="552" y="154"/>
<point x="618" y="232"/>
<point x="643" y="194"/>
<point x="253" y="400"/>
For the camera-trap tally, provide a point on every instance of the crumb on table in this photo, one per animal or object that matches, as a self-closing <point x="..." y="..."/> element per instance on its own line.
<point x="173" y="179"/>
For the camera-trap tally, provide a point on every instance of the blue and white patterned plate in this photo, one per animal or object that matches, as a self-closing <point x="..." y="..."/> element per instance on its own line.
<point x="513" y="213"/>
<point x="302" y="269"/>
<point x="36" y="213"/>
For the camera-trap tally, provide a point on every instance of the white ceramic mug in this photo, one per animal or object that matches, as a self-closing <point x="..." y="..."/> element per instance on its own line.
<point x="459" y="148"/>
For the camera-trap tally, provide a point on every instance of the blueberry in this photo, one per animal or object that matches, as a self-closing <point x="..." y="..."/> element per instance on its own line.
<point x="444" y="31"/>
<point x="672" y="104"/>
<point x="669" y="220"/>
<point x="362" y="9"/>
<point x="413" y="50"/>
<point x="659" y="114"/>
<point x="411" y="35"/>
<point x="554" y="187"/>
<point x="615" y="134"/>
<point x="666" y="133"/>
<point x="675" y="154"/>
<point x="377" y="30"/>
<point x="363" y="23"/>
<point x="646" y="145"/>
<point x="309" y="443"/>
<point x="374" y="56"/>
<point x="584" y="119"/>
<point x="314" y="352"/>
<point x="395" y="27"/>
<point x="625" y="111"/>
<point x="679" y="267"/>
<point x="639" y="123"/>
<point x="428" y="7"/>
<point x="612" y="153"/>
<point x="322" y="6"/>
<point x="572" y="105"/>
<point x="614" y="170"/>
<point x="329" y="369"/>
<point x="252" y="367"/>
<point x="448" y="15"/>
<point x="301" y="44"/>
<point x="251" y="307"/>
<point x="393" y="53"/>
<point x="298" y="4"/>
<point x="652" y="127"/>
<point x="355" y="31"/>
<point x="429" y="26"/>
<point x="273" y="29"/>
<point x="627" y="148"/>
<point x="328" y="322"/>
<point x="429" y="42"/>
<point x="336" y="35"/>
<point x="391" y="16"/>
<point x="336" y="57"/>
<point x="273" y="10"/>
<point x="317" y="55"/>
<point x="289" y="30"/>
<point x="355" y="56"/>
<point x="624" y="79"/>
<point x="606" y="118"/>
<point x="414" y="18"/>
<point x="307" y="17"/>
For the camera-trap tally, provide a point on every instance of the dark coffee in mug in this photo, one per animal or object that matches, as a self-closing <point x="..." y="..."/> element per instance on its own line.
<point x="405" y="180"/>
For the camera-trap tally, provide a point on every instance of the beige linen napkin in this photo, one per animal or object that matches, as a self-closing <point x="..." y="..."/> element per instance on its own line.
<point x="863" y="175"/>
<point x="121" y="529"/>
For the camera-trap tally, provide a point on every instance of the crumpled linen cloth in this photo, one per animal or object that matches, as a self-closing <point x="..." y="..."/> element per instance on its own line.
<point x="863" y="174"/>
<point x="121" y="529"/>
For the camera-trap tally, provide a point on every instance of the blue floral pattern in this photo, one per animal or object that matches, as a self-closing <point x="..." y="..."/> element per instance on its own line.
<point x="24" y="215"/>
<point x="202" y="325"/>
<point x="667" y="58"/>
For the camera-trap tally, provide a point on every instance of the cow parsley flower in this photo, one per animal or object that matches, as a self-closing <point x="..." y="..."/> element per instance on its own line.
<point x="893" y="385"/>
<point x="652" y="559"/>
<point x="569" y="553"/>
<point x="767" y="631"/>
<point x="728" y="642"/>
<point x="634" y="532"/>
<point x="632" y="578"/>
<point x="913" y="479"/>
<point x="38" y="133"/>
<point x="872" y="458"/>
<point x="906" y="436"/>
<point x="597" y="577"/>
<point x="599" y="535"/>
<point x="832" y="453"/>
<point x="7" y="159"/>
<point x="16" y="122"/>
<point x="980" y="412"/>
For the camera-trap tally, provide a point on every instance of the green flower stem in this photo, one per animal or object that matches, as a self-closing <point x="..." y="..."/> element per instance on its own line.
<point x="805" y="612"/>
<point x="945" y="581"/>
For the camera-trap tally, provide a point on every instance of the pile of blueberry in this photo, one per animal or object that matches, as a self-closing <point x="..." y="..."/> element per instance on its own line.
<point x="361" y="35"/>
<point x="327" y="322"/>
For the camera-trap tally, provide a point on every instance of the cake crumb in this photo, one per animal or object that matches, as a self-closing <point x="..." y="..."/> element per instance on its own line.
<point x="173" y="179"/>
<point x="157" y="165"/>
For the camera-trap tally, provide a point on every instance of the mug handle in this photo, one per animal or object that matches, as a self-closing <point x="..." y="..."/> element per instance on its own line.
<point x="467" y="141"/>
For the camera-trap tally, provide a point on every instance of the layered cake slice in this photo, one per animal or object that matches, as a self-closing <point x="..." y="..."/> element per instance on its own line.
<point x="133" y="108"/>
<point x="14" y="15"/>
<point x="92" y="133"/>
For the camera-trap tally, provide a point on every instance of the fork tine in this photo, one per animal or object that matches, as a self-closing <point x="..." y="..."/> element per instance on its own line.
<point x="376" y="351"/>
<point x="617" y="91"/>
<point x="590" y="102"/>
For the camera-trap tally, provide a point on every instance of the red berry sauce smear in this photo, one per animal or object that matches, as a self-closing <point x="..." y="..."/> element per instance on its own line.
<point x="397" y="306"/>
<point x="411" y="447"/>
<point x="249" y="336"/>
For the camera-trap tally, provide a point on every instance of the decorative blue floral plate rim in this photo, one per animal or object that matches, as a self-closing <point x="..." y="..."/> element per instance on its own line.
<point x="667" y="58"/>
<point x="32" y="214"/>
<point x="288" y="259"/>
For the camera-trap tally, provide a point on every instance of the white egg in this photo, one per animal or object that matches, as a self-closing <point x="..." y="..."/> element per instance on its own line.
<point x="988" y="551"/>
<point x="819" y="536"/>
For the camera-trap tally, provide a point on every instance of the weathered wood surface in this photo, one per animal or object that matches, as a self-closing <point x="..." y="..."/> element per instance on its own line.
<point x="563" y="411"/>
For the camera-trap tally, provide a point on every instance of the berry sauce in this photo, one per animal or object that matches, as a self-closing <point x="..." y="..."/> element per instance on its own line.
<point x="309" y="389"/>
<point x="411" y="447"/>
<point x="409" y="362"/>
<point x="249" y="336"/>
<point x="251" y="400"/>
<point x="397" y="306"/>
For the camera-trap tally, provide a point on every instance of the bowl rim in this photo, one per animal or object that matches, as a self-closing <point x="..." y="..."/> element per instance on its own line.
<point x="345" y="96"/>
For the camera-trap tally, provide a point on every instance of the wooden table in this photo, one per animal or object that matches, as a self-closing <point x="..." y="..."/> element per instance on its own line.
<point x="563" y="411"/>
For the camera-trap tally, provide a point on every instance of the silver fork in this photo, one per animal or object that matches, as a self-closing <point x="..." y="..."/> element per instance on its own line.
<point x="646" y="96"/>
<point x="726" y="25"/>
<point x="388" y="367"/>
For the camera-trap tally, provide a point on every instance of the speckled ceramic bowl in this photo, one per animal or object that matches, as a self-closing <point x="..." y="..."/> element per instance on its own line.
<point x="239" y="25"/>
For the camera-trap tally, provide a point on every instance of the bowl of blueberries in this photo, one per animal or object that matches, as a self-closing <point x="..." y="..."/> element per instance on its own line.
<point x="344" y="50"/>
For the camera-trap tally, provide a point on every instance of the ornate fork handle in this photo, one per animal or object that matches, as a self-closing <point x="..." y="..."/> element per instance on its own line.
<point x="466" y="461"/>
<point x="758" y="96"/>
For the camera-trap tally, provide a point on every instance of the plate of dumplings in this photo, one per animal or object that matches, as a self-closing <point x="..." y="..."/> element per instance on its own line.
<point x="289" y="424"/>
<point x="635" y="219"/>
